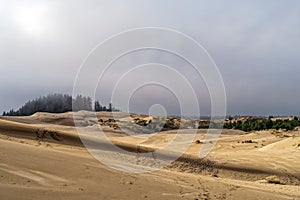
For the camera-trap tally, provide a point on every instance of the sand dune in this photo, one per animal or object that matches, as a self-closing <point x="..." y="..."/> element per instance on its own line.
<point x="42" y="157"/>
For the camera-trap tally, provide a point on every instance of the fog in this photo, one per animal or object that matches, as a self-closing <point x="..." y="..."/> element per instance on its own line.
<point x="255" y="45"/>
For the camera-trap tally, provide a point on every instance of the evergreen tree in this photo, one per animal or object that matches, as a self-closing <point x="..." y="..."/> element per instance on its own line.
<point x="97" y="106"/>
<point x="110" y="107"/>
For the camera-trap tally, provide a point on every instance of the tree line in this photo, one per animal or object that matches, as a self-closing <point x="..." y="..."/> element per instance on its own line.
<point x="263" y="124"/>
<point x="59" y="103"/>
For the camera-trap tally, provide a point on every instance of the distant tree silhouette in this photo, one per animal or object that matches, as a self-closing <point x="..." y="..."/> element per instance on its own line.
<point x="82" y="103"/>
<point x="97" y="106"/>
<point x="58" y="103"/>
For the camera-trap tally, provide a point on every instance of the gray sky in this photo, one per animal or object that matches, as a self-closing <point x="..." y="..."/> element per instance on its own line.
<point x="255" y="44"/>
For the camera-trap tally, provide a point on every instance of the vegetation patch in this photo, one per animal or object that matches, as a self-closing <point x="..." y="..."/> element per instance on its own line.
<point x="282" y="135"/>
<point x="44" y="134"/>
<point x="249" y="141"/>
<point x="257" y="124"/>
<point x="198" y="142"/>
<point x="275" y="180"/>
<point x="112" y="123"/>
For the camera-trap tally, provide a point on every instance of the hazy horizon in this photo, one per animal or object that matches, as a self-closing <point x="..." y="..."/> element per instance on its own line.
<point x="255" y="45"/>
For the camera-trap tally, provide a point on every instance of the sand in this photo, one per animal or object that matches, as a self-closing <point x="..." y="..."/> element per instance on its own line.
<point x="42" y="157"/>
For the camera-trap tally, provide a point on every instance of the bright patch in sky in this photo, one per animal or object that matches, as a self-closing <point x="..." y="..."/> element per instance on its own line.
<point x="31" y="19"/>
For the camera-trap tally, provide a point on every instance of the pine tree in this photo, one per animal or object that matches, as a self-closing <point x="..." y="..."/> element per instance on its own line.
<point x="97" y="106"/>
<point x="110" y="107"/>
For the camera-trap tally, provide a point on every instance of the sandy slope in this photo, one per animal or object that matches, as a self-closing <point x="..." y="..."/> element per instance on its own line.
<point x="42" y="157"/>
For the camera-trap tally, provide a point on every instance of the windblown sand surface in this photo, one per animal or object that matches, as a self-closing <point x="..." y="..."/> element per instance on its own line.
<point x="42" y="157"/>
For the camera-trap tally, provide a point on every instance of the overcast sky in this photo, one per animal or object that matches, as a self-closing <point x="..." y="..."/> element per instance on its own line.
<point x="255" y="45"/>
